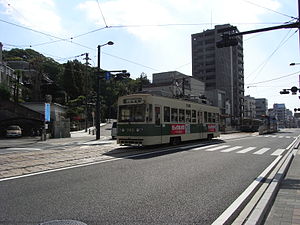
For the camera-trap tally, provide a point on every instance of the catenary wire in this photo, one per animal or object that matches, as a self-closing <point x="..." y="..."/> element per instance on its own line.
<point x="263" y="64"/>
<point x="283" y="14"/>
<point x="101" y="13"/>
<point x="277" y="78"/>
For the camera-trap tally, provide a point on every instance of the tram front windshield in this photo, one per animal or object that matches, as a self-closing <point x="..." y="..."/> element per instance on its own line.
<point x="132" y="113"/>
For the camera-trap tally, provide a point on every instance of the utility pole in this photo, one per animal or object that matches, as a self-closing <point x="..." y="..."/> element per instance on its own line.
<point x="86" y="88"/>
<point x="298" y="22"/>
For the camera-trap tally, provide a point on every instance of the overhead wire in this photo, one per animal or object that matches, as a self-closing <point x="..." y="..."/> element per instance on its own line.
<point x="283" y="14"/>
<point x="101" y="13"/>
<point x="277" y="78"/>
<point x="264" y="63"/>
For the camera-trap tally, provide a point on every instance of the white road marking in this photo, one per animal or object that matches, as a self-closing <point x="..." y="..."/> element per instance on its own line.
<point x="261" y="151"/>
<point x="247" y="150"/>
<point x="232" y="149"/>
<point x="24" y="149"/>
<point x="217" y="148"/>
<point x="204" y="147"/>
<point x="278" y="152"/>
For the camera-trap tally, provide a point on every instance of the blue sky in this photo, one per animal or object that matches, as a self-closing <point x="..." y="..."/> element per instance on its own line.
<point x="155" y="36"/>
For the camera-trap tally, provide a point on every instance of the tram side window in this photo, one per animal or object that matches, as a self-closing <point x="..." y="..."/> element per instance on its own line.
<point x="174" y="115"/>
<point x="188" y="116"/>
<point x="150" y="113"/>
<point x="167" y="114"/>
<point x="181" y="116"/>
<point x="205" y="117"/>
<point x="209" y="117"/>
<point x="213" y="117"/>
<point x="194" y="116"/>
<point x="200" y="117"/>
<point x="217" y="117"/>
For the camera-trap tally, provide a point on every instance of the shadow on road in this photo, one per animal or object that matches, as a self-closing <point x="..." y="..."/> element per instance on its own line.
<point x="157" y="150"/>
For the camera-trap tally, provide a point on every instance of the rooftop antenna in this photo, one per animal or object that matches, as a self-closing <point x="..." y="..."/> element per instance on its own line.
<point x="211" y="25"/>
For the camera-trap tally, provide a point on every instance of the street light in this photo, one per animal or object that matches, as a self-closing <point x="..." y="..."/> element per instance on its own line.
<point x="98" y="90"/>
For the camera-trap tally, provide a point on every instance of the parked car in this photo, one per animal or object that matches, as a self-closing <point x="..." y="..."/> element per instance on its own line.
<point x="114" y="130"/>
<point x="14" y="131"/>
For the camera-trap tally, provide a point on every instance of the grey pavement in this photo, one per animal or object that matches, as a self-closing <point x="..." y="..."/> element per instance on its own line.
<point x="286" y="207"/>
<point x="82" y="149"/>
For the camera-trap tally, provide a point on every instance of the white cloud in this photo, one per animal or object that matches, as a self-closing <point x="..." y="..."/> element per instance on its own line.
<point x="36" y="14"/>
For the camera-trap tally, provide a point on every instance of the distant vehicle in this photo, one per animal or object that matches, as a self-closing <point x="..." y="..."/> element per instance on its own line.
<point x="145" y="119"/>
<point x="114" y="130"/>
<point x="14" y="131"/>
<point x="250" y="124"/>
<point x="270" y="125"/>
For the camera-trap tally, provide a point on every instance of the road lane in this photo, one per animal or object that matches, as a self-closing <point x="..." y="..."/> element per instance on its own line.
<point x="174" y="187"/>
<point x="184" y="187"/>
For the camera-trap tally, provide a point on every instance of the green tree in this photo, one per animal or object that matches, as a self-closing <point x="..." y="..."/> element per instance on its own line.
<point x="4" y="92"/>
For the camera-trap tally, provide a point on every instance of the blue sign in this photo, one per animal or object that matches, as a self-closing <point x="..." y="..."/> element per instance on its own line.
<point x="107" y="75"/>
<point x="47" y="112"/>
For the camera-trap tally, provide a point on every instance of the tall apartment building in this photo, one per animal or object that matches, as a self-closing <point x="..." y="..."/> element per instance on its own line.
<point x="220" y="68"/>
<point x="280" y="112"/>
<point x="261" y="105"/>
<point x="249" y="107"/>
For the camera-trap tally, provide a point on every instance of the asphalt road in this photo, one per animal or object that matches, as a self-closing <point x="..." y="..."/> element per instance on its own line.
<point x="188" y="186"/>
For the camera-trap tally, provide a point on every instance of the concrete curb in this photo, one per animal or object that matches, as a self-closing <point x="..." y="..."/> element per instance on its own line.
<point x="260" y="212"/>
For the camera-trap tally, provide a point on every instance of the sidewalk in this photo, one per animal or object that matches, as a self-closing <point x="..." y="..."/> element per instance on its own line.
<point x="286" y="208"/>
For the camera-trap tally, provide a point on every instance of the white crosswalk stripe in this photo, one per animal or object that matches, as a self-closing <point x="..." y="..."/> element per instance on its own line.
<point x="232" y="149"/>
<point x="261" y="151"/>
<point x="247" y="150"/>
<point x="204" y="147"/>
<point x="242" y="149"/>
<point x="278" y="152"/>
<point x="217" y="148"/>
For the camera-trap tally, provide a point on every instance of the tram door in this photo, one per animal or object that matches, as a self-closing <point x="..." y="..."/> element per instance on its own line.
<point x="158" y="121"/>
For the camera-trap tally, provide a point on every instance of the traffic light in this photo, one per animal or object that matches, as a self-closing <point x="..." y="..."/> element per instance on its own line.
<point x="227" y="41"/>
<point x="121" y="76"/>
<point x="294" y="90"/>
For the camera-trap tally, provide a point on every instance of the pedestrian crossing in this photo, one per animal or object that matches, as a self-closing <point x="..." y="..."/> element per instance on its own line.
<point x="240" y="149"/>
<point x="275" y="136"/>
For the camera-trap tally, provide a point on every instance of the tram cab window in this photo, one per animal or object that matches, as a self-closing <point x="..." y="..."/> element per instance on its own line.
<point x="174" y="115"/>
<point x="132" y="113"/>
<point x="166" y="114"/>
<point x="188" y="116"/>
<point x="181" y="116"/>
<point x="194" y="116"/>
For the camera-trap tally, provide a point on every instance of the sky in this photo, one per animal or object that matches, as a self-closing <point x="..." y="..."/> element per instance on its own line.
<point x="152" y="36"/>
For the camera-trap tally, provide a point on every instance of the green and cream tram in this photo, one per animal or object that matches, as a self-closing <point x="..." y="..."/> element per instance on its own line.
<point x="145" y="119"/>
